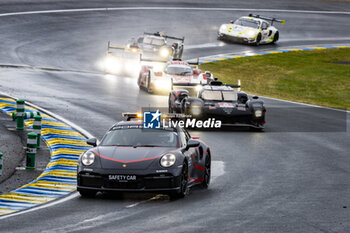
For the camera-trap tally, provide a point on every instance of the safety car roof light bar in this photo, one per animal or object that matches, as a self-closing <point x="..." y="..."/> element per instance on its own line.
<point x="268" y="18"/>
<point x="133" y="115"/>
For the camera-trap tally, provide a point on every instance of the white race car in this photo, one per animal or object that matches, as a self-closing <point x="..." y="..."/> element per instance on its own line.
<point x="173" y="74"/>
<point x="252" y="29"/>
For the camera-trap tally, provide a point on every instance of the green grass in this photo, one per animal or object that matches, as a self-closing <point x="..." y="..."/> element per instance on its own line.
<point x="307" y="76"/>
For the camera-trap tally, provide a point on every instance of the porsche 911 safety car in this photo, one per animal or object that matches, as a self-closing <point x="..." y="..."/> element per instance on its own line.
<point x="173" y="74"/>
<point x="157" y="45"/>
<point x="252" y="29"/>
<point x="132" y="158"/>
<point x="221" y="102"/>
<point x="122" y="60"/>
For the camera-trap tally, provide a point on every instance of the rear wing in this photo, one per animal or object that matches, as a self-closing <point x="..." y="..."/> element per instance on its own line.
<point x="182" y="39"/>
<point x="268" y="19"/>
<point x="151" y="59"/>
<point x="238" y="85"/>
<point x="130" y="48"/>
<point x="196" y="64"/>
<point x="215" y="82"/>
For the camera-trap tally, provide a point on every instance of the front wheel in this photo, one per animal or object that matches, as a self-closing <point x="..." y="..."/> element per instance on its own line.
<point x="183" y="184"/>
<point x="258" y="39"/>
<point x="149" y="83"/>
<point x="207" y="172"/>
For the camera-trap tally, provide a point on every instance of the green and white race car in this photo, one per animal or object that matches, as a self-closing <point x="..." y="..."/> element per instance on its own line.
<point x="252" y="29"/>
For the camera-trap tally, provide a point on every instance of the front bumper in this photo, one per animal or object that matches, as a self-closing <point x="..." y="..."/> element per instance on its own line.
<point x="242" y="40"/>
<point x="144" y="183"/>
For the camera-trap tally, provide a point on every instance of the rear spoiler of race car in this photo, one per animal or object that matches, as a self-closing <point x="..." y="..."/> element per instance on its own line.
<point x="151" y="60"/>
<point x="194" y="63"/>
<point x="165" y="36"/>
<point x="219" y="83"/>
<point x="268" y="19"/>
<point x="130" y="48"/>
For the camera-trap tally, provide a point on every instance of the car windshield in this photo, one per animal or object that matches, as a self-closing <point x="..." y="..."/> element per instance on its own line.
<point x="219" y="95"/>
<point x="248" y="23"/>
<point x="154" y="41"/>
<point x="179" y="70"/>
<point x="158" y="42"/>
<point x="140" y="137"/>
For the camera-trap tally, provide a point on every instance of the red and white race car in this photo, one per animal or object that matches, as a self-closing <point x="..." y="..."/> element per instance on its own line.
<point x="174" y="74"/>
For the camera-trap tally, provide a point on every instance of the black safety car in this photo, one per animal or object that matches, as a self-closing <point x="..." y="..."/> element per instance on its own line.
<point x="133" y="158"/>
<point x="221" y="102"/>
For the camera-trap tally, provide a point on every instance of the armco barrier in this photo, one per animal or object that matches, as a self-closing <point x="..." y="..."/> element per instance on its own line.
<point x="59" y="177"/>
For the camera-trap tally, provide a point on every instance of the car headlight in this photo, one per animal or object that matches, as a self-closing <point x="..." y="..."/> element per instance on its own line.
<point x="168" y="160"/>
<point x="162" y="84"/>
<point x="198" y="87"/>
<point x="196" y="110"/>
<point x="88" y="158"/>
<point x="112" y="64"/>
<point x="164" y="52"/>
<point x="222" y="28"/>
<point x="258" y="113"/>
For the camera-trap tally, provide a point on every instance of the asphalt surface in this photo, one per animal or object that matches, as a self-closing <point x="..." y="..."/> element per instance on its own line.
<point x="12" y="144"/>
<point x="292" y="178"/>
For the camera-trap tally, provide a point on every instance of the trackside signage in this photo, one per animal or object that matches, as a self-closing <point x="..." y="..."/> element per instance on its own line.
<point x="154" y="120"/>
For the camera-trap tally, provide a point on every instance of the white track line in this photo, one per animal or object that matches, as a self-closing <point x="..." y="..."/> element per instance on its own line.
<point x="170" y="8"/>
<point x="303" y="104"/>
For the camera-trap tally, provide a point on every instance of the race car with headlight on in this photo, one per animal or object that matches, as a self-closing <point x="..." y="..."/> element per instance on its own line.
<point x="159" y="45"/>
<point x="221" y="102"/>
<point x="252" y="29"/>
<point x="172" y="75"/>
<point x="122" y="60"/>
<point x="132" y="158"/>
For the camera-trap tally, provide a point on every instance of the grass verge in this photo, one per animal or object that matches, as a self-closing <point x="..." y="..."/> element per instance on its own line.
<point x="314" y="77"/>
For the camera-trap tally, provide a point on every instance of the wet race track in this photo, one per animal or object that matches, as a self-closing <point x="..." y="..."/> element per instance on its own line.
<point x="294" y="177"/>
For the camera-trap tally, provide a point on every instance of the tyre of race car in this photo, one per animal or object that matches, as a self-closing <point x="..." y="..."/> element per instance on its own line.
<point x="276" y="37"/>
<point x="149" y="83"/>
<point x="258" y="39"/>
<point x="182" y="192"/>
<point x="207" y="171"/>
<point x="139" y="81"/>
<point x="170" y="109"/>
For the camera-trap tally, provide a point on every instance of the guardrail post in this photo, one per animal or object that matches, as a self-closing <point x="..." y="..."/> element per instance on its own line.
<point x="37" y="129"/>
<point x="20" y="114"/>
<point x="0" y="164"/>
<point x="31" y="150"/>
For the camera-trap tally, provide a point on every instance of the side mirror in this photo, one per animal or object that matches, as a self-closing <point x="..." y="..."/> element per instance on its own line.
<point x="92" y="142"/>
<point x="192" y="143"/>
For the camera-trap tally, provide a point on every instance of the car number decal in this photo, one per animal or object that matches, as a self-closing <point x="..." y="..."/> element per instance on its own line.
<point x="226" y="105"/>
